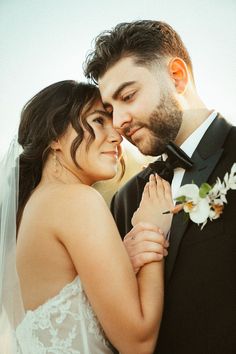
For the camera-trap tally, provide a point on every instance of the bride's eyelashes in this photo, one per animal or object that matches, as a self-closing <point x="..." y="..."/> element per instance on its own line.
<point x="99" y="120"/>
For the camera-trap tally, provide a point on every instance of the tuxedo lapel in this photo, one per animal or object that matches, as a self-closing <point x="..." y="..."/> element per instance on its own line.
<point x="205" y="158"/>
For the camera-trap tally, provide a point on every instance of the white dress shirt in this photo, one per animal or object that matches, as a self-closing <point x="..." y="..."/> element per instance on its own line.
<point x="189" y="146"/>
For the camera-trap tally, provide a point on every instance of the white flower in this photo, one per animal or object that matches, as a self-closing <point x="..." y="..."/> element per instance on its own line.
<point x="207" y="201"/>
<point x="231" y="183"/>
<point x="197" y="207"/>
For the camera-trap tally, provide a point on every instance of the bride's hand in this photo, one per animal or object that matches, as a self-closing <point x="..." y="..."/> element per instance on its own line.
<point x="155" y="200"/>
<point x="145" y="243"/>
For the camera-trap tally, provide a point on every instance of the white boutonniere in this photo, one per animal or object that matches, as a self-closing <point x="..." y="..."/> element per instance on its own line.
<point x="206" y="202"/>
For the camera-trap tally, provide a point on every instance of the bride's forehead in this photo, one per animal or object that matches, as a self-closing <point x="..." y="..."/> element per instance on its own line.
<point x="92" y="107"/>
<point x="97" y="106"/>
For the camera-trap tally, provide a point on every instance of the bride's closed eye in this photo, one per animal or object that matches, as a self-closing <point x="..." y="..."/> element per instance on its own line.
<point x="99" y="120"/>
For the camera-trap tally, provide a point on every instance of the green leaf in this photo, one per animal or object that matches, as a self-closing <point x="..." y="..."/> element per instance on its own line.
<point x="204" y="190"/>
<point x="181" y="199"/>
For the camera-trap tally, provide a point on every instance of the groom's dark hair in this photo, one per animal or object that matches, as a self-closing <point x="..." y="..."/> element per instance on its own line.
<point x="146" y="41"/>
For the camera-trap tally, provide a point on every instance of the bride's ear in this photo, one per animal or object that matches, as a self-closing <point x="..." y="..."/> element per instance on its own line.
<point x="55" y="145"/>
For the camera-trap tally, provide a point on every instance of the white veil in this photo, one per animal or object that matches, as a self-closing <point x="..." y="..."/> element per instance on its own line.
<point x="11" y="306"/>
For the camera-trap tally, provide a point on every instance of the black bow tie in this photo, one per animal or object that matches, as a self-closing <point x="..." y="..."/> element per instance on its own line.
<point x="176" y="158"/>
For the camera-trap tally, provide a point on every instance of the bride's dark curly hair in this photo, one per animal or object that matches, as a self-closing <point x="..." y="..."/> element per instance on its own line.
<point x="45" y="118"/>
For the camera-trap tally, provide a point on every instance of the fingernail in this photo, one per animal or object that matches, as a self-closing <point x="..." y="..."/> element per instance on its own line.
<point x="151" y="177"/>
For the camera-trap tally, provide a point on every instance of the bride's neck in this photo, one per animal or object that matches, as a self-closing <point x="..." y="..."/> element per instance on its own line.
<point x="56" y="172"/>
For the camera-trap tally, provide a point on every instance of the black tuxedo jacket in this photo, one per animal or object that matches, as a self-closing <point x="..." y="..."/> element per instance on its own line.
<point x="200" y="270"/>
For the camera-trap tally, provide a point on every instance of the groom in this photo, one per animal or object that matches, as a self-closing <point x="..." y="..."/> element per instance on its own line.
<point x="146" y="80"/>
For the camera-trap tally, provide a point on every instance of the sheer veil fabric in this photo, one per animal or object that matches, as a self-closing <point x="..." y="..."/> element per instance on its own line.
<point x="11" y="305"/>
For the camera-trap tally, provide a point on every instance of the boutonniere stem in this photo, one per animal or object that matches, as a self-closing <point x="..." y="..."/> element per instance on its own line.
<point x="175" y="210"/>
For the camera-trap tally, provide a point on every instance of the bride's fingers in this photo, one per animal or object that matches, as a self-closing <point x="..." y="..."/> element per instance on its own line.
<point x="140" y="260"/>
<point x="167" y="191"/>
<point x="139" y="235"/>
<point x="164" y="190"/>
<point x="133" y="220"/>
<point x="145" y="246"/>
<point x="165" y="252"/>
<point x="143" y="227"/>
<point x="145" y="243"/>
<point x="160" y="187"/>
<point x="152" y="187"/>
<point x="145" y="194"/>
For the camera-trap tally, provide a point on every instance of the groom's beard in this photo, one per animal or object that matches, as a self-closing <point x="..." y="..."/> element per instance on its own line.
<point x="164" y="124"/>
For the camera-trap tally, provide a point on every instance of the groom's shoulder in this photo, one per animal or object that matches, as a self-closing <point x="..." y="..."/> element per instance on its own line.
<point x="134" y="182"/>
<point x="225" y="123"/>
<point x="231" y="136"/>
<point x="219" y="134"/>
<point x="128" y="187"/>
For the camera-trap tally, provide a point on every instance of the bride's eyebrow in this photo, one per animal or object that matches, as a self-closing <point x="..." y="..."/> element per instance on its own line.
<point x="103" y="113"/>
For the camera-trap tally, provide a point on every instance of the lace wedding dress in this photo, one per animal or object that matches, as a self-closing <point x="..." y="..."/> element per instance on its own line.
<point x="65" y="324"/>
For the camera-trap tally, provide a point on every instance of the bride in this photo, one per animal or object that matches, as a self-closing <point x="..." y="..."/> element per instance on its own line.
<point x="78" y="288"/>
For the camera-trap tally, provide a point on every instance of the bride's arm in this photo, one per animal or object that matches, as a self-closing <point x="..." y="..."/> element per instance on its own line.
<point x="129" y="309"/>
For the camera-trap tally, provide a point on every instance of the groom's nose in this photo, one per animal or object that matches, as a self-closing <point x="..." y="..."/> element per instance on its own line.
<point x="121" y="118"/>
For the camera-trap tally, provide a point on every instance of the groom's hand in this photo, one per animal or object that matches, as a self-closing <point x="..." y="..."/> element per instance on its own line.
<point x="145" y="243"/>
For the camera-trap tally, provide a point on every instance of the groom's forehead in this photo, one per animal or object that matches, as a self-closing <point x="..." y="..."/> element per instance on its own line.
<point x="122" y="72"/>
<point x="117" y="72"/>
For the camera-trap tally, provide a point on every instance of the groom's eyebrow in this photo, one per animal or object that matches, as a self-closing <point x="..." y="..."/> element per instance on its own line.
<point x="121" y="88"/>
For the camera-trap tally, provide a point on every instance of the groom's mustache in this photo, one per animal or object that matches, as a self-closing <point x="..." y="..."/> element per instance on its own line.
<point x="130" y="130"/>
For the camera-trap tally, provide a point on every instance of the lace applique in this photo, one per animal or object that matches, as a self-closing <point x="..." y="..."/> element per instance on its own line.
<point x="65" y="324"/>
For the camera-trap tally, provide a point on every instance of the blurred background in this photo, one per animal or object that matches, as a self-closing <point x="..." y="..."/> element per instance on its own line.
<point x="44" y="41"/>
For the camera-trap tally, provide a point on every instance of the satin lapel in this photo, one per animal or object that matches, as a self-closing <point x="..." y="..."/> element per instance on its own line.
<point x="205" y="158"/>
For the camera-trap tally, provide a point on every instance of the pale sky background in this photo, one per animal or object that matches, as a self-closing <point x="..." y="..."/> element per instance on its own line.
<point x="46" y="41"/>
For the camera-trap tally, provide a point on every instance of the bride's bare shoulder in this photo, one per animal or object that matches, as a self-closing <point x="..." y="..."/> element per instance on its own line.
<point x="60" y="199"/>
<point x="79" y="192"/>
<point x="62" y="206"/>
<point x="75" y="209"/>
<point x="75" y="196"/>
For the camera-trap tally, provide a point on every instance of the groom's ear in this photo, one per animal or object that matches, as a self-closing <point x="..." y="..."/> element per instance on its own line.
<point x="179" y="73"/>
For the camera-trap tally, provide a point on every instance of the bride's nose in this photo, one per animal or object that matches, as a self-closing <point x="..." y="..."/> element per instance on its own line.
<point x="114" y="136"/>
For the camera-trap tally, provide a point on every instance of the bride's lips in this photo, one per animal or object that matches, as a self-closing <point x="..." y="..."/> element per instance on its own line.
<point x="111" y="153"/>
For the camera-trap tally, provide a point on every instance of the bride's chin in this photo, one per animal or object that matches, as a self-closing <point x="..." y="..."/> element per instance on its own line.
<point x="106" y="176"/>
